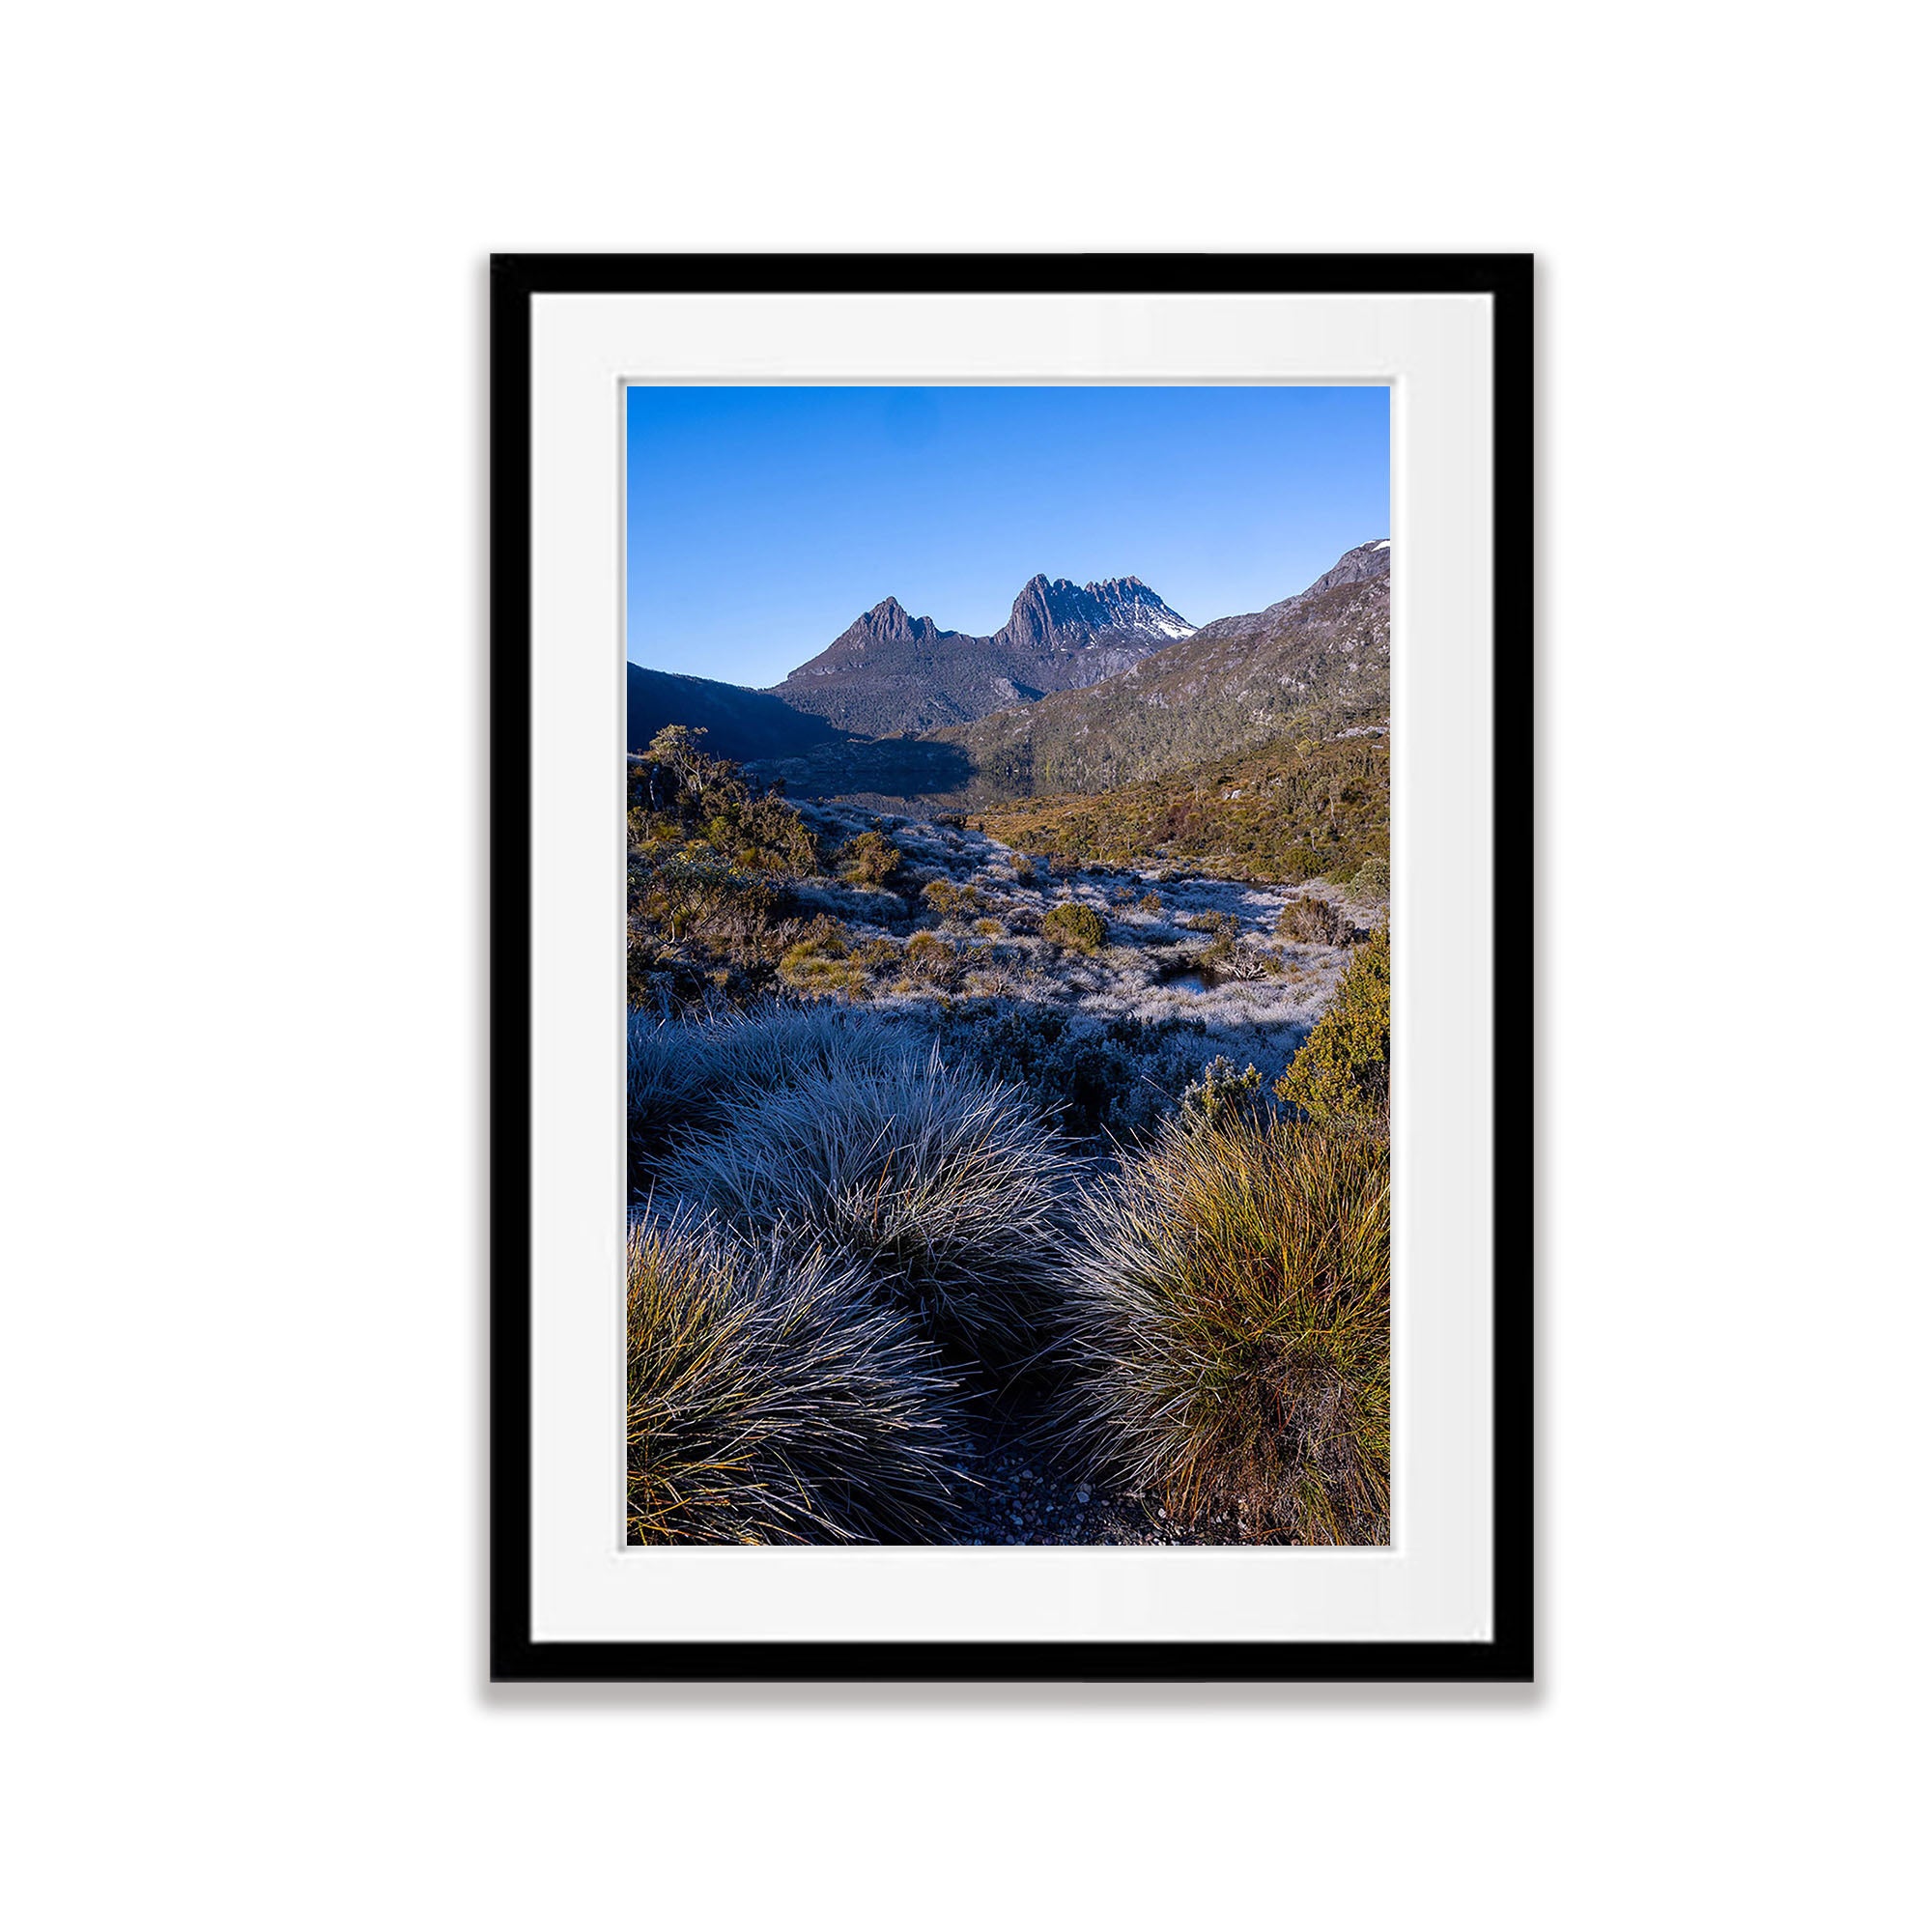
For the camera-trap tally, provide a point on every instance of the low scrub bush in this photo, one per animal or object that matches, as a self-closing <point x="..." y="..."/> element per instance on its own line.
<point x="930" y="959"/>
<point x="1079" y="928"/>
<point x="774" y="1399"/>
<point x="1118" y="1078"/>
<point x="1219" y="1091"/>
<point x="1342" y="1071"/>
<point x="871" y="859"/>
<point x="949" y="1186"/>
<point x="1370" y="884"/>
<point x="1314" y="922"/>
<point x="1230" y="1328"/>
<point x="948" y="900"/>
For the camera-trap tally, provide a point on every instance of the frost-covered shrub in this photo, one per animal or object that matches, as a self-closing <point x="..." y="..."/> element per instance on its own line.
<point x="1370" y="884"/>
<point x="773" y="1398"/>
<point x="1246" y="961"/>
<point x="1117" y="1077"/>
<point x="1220" y="1091"/>
<point x="948" y="1185"/>
<point x="1230" y="1328"/>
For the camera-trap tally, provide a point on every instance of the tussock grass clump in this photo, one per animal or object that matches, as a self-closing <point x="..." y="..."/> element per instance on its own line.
<point x="687" y="1078"/>
<point x="949" y="1186"/>
<point x="949" y="900"/>
<point x="823" y="964"/>
<point x="774" y="1399"/>
<point x="1232" y="1325"/>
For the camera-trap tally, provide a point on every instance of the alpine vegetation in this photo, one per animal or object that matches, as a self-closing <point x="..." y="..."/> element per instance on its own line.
<point x="949" y="1187"/>
<point x="773" y="1398"/>
<point x="1230" y="1318"/>
<point x="688" y="1079"/>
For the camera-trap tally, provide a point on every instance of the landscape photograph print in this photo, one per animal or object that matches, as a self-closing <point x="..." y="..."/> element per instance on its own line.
<point x="1008" y="965"/>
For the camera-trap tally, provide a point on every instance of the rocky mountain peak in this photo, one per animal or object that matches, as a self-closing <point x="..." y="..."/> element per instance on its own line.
<point x="1355" y="566"/>
<point x="886" y="622"/>
<point x="1058" y="614"/>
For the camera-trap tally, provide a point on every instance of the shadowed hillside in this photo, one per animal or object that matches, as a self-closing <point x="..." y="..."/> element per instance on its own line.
<point x="739" y="723"/>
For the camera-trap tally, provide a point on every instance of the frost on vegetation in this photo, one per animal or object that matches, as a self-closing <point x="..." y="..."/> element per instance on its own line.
<point x="948" y="1184"/>
<point x="687" y="1077"/>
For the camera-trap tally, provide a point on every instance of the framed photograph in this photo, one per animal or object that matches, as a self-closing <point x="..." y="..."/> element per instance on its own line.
<point x="1010" y="1072"/>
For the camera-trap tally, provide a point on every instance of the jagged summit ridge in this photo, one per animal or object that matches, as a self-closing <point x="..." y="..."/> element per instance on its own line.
<point x="1054" y="613"/>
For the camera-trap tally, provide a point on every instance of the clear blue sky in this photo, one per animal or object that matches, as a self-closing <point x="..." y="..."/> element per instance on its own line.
<point x="761" y="522"/>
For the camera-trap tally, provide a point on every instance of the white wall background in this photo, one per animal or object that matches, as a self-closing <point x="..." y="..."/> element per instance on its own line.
<point x="242" y="455"/>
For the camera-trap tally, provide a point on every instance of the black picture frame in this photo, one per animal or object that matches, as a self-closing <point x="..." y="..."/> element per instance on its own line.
<point x="516" y="281"/>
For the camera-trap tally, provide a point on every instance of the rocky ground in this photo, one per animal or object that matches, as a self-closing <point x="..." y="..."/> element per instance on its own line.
<point x="1022" y="1500"/>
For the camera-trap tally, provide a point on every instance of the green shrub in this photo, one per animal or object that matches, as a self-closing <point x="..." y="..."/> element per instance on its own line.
<point x="1284" y="812"/>
<point x="774" y="1399"/>
<point x="1342" y="1071"/>
<point x="1079" y="928"/>
<point x="870" y="860"/>
<point x="1230" y="1323"/>
<point x="763" y="835"/>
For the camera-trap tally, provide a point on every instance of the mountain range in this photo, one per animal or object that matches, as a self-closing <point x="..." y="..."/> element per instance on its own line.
<point x="888" y="672"/>
<point x="1085" y="687"/>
